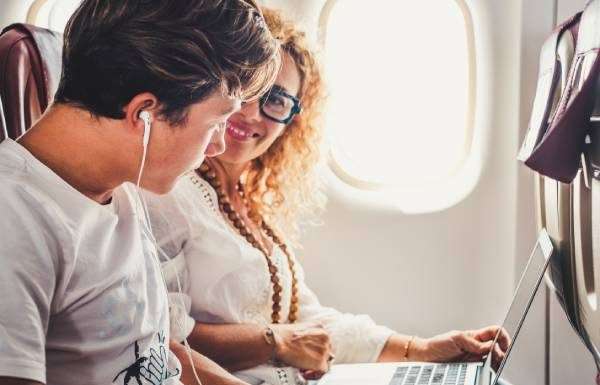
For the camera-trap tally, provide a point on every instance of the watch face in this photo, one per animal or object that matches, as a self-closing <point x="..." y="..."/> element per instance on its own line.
<point x="269" y="336"/>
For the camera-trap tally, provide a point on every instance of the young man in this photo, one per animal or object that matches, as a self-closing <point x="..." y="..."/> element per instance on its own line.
<point x="145" y="91"/>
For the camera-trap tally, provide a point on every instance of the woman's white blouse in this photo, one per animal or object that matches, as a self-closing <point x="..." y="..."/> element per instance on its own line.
<point x="225" y="279"/>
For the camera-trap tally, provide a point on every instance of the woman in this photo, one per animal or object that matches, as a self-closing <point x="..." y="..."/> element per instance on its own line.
<point x="224" y="227"/>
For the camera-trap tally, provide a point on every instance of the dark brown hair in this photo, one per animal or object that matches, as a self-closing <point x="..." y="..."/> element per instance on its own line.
<point x="180" y="51"/>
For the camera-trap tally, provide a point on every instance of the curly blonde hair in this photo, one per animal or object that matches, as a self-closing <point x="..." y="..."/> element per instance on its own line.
<point x="282" y="185"/>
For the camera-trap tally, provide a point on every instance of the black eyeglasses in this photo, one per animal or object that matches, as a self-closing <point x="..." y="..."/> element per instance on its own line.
<point x="279" y="106"/>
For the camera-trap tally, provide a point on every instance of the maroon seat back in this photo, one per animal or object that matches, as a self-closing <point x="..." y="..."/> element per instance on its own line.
<point x="30" y="66"/>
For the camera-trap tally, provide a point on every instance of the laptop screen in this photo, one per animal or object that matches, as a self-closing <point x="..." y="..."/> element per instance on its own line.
<point x="524" y="294"/>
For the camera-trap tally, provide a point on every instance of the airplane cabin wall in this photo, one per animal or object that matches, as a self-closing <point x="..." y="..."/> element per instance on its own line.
<point x="14" y="11"/>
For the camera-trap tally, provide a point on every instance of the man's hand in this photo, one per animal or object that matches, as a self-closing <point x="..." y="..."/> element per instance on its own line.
<point x="303" y="346"/>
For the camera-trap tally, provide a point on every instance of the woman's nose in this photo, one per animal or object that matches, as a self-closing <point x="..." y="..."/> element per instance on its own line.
<point x="251" y="110"/>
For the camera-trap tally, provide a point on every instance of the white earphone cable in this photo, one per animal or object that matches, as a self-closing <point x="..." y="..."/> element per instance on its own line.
<point x="146" y="226"/>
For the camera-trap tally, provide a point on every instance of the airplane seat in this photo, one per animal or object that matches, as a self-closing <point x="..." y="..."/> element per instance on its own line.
<point x="30" y="67"/>
<point x="563" y="146"/>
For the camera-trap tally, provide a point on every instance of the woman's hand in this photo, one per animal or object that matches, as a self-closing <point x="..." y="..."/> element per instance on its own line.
<point x="303" y="346"/>
<point x="466" y="346"/>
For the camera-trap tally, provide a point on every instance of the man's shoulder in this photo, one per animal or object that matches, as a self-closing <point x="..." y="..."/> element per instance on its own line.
<point x="28" y="184"/>
<point x="31" y="232"/>
<point x="17" y="187"/>
<point x="19" y="179"/>
<point x="29" y="203"/>
<point x="12" y="165"/>
<point x="21" y="186"/>
<point x="25" y="206"/>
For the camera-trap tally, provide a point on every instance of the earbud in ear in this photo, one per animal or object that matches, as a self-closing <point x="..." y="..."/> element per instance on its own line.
<point x="147" y="118"/>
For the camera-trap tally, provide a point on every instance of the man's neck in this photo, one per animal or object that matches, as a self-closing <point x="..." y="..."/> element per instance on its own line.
<point x="82" y="150"/>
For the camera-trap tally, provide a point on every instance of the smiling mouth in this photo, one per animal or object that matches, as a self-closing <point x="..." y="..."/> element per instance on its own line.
<point x="239" y="133"/>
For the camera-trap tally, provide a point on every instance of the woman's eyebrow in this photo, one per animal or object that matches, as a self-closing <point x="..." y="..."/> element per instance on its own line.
<point x="280" y="88"/>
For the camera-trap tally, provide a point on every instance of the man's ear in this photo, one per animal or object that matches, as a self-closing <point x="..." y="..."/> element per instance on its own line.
<point x="145" y="101"/>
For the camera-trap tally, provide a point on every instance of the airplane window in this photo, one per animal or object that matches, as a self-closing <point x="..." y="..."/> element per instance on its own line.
<point x="52" y="14"/>
<point x="400" y="79"/>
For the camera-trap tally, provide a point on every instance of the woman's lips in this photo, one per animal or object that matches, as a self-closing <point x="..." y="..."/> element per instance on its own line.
<point x="239" y="133"/>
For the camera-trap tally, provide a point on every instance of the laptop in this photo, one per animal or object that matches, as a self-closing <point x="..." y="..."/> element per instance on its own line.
<point x="460" y="373"/>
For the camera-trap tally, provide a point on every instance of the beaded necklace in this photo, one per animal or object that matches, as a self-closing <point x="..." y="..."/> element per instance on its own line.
<point x="208" y="174"/>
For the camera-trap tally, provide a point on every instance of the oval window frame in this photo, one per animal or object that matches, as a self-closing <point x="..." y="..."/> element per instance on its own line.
<point x="50" y="7"/>
<point x="34" y="10"/>
<point x="351" y="180"/>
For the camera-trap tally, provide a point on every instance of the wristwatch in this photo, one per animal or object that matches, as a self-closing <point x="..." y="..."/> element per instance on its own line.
<point x="269" y="337"/>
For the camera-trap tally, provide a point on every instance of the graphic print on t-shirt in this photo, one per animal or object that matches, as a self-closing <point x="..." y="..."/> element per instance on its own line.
<point x="153" y="369"/>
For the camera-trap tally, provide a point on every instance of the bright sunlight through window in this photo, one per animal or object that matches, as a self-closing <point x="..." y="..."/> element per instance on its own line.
<point x="400" y="79"/>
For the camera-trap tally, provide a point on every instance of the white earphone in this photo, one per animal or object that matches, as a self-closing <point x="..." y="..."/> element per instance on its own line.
<point x="147" y="228"/>
<point x="147" y="118"/>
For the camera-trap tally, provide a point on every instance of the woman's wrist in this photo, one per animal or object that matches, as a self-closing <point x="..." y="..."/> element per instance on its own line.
<point x="274" y="342"/>
<point x="417" y="350"/>
<point x="400" y="347"/>
<point x="409" y="341"/>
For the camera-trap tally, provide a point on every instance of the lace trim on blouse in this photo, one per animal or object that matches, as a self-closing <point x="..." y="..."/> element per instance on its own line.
<point x="208" y="193"/>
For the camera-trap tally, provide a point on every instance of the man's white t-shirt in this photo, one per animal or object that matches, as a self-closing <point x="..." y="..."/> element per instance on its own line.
<point x="81" y="296"/>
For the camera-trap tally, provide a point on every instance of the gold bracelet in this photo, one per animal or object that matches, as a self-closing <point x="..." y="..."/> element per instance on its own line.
<point x="407" y="347"/>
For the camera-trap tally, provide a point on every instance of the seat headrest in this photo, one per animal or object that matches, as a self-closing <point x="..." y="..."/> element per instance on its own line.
<point x="30" y="67"/>
<point x="555" y="143"/>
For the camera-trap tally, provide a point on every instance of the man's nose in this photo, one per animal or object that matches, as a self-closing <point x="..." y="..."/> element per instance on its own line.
<point x="217" y="144"/>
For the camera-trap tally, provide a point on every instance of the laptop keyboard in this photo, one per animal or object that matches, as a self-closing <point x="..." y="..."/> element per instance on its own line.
<point x="441" y="374"/>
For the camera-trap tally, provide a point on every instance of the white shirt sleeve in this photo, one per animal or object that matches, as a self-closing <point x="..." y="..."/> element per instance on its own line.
<point x="28" y="278"/>
<point x="355" y="338"/>
<point x="181" y="323"/>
